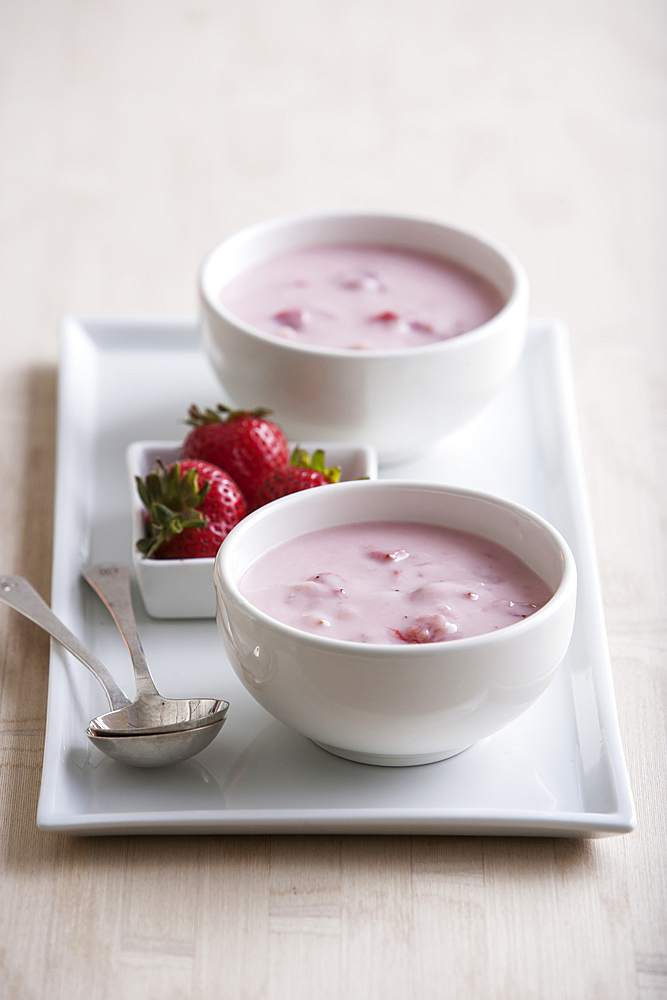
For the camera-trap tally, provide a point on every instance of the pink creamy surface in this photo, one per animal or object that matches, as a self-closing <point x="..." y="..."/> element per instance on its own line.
<point x="393" y="582"/>
<point x="361" y="296"/>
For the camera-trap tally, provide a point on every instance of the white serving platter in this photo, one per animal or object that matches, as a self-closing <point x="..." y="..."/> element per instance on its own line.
<point x="557" y="771"/>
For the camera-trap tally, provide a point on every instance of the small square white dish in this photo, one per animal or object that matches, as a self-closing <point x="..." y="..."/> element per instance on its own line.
<point x="183" y="588"/>
<point x="558" y="770"/>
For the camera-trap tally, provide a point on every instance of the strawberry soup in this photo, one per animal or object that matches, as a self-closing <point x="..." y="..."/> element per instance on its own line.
<point x="361" y="296"/>
<point x="393" y="582"/>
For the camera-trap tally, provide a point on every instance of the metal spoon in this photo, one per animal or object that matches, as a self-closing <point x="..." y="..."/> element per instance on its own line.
<point x="140" y="745"/>
<point x="112" y="584"/>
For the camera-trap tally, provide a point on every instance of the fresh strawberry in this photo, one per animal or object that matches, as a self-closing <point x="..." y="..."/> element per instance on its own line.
<point x="243" y="442"/>
<point x="191" y="508"/>
<point x="301" y="474"/>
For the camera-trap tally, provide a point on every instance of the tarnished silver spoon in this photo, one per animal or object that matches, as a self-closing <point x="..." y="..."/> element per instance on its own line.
<point x="150" y="739"/>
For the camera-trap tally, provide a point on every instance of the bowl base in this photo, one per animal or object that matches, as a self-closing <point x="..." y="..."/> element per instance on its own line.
<point x="391" y="760"/>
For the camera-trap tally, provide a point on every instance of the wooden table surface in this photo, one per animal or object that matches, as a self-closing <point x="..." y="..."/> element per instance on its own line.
<point x="133" y="137"/>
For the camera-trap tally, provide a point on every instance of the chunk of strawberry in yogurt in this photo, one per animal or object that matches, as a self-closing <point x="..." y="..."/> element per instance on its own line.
<point x="421" y="326"/>
<point x="435" y="628"/>
<point x="317" y="589"/>
<point x="357" y="281"/>
<point x="396" y="556"/>
<point x="388" y="316"/>
<point x="401" y="325"/>
<point x="331" y="582"/>
<point x="295" y="319"/>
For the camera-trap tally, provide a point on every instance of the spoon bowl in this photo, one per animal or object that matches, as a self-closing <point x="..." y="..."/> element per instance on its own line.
<point x="155" y="749"/>
<point x="169" y="715"/>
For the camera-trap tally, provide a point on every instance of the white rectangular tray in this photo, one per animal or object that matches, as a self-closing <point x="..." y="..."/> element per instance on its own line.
<point x="557" y="771"/>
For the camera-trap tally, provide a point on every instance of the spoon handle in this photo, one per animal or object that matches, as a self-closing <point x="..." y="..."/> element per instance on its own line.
<point x="17" y="593"/>
<point x="112" y="585"/>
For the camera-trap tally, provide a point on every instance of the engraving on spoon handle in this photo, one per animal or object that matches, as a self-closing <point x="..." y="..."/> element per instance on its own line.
<point x="112" y="585"/>
<point x="17" y="593"/>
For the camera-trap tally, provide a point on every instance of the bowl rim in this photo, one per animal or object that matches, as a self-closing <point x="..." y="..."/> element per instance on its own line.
<point x="222" y="577"/>
<point x="519" y="292"/>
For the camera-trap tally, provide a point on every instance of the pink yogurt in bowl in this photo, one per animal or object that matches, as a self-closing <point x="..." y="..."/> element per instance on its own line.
<point x="396" y="691"/>
<point x="357" y="296"/>
<point x="363" y="327"/>
<point x="395" y="582"/>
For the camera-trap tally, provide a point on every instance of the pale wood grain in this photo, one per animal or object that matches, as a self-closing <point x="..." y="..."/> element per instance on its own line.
<point x="132" y="138"/>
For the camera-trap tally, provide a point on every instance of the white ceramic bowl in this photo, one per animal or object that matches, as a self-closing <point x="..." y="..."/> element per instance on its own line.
<point x="400" y="401"/>
<point x="183" y="588"/>
<point x="396" y="704"/>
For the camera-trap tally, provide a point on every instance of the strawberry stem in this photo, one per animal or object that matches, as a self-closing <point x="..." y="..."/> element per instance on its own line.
<point x="300" y="459"/>
<point x="221" y="414"/>
<point x="171" y="501"/>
